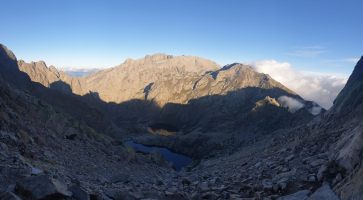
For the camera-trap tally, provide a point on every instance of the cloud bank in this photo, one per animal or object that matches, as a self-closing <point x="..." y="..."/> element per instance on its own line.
<point x="321" y="88"/>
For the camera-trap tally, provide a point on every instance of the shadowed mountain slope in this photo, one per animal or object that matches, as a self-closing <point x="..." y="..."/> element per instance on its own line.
<point x="347" y="114"/>
<point x="351" y="96"/>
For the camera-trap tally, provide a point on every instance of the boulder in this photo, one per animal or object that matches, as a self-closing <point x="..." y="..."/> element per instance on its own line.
<point x="204" y="187"/>
<point x="36" y="171"/>
<point x="322" y="170"/>
<point x="9" y="196"/>
<point x="267" y="184"/>
<point x="311" y="178"/>
<point x="300" y="195"/>
<point x="78" y="193"/>
<point x="324" y="193"/>
<point x="42" y="187"/>
<point x="4" y="148"/>
<point x="210" y="196"/>
<point x="120" y="178"/>
<point x="119" y="194"/>
<point x="289" y="158"/>
<point x="351" y="149"/>
<point x="174" y="196"/>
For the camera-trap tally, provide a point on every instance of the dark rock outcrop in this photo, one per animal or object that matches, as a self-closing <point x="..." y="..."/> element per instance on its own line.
<point x="9" y="69"/>
<point x="9" y="196"/>
<point x="42" y="187"/>
<point x="351" y="97"/>
<point x="324" y="193"/>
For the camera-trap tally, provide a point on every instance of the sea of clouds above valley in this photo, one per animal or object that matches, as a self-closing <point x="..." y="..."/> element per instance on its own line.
<point x="321" y="88"/>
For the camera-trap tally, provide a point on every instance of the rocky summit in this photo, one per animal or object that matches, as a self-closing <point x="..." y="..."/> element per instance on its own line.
<point x="173" y="127"/>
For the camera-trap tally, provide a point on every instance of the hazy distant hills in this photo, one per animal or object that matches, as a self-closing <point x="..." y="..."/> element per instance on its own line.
<point x="79" y="72"/>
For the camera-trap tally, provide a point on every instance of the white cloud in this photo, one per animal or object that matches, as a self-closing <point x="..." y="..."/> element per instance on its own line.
<point x="311" y="51"/>
<point x="351" y="60"/>
<point x="344" y="60"/>
<point x="321" y="88"/>
<point x="290" y="103"/>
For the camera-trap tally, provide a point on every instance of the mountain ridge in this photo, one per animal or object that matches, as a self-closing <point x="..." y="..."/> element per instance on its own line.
<point x="150" y="63"/>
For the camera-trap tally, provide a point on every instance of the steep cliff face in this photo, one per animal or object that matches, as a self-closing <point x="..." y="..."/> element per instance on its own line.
<point x="10" y="71"/>
<point x="351" y="97"/>
<point x="347" y="114"/>
<point x="9" y="68"/>
<point x="50" y="77"/>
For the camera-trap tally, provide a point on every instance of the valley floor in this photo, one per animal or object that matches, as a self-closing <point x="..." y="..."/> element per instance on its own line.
<point x="274" y="166"/>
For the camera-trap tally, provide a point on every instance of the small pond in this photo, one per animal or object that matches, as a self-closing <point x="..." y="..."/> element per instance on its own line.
<point x="177" y="160"/>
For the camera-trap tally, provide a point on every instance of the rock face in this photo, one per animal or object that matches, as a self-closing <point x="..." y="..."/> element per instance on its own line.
<point x="9" y="196"/>
<point x="347" y="111"/>
<point x="324" y="192"/>
<point x="9" y="68"/>
<point x="301" y="195"/>
<point x="49" y="76"/>
<point x="351" y="97"/>
<point x="42" y="187"/>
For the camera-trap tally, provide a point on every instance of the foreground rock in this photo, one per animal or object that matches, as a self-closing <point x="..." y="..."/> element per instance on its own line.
<point x="41" y="187"/>
<point x="324" y="193"/>
<point x="301" y="195"/>
<point x="9" y="196"/>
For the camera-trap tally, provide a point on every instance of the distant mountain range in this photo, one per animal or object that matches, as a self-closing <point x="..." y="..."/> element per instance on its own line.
<point x="79" y="72"/>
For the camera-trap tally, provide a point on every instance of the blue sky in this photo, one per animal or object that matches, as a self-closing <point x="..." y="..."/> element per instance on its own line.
<point x="312" y="35"/>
